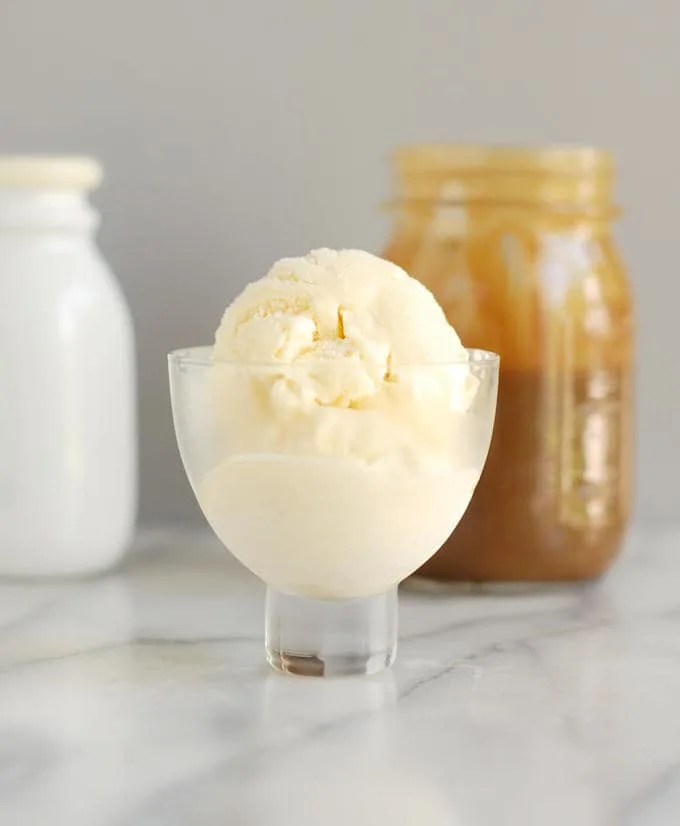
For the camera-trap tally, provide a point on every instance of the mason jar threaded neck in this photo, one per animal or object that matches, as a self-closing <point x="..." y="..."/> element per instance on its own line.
<point x="578" y="178"/>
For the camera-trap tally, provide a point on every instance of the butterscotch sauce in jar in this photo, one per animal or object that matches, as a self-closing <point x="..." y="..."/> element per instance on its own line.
<point x="517" y="246"/>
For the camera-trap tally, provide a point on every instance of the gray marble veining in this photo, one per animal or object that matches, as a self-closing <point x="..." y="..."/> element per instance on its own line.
<point x="142" y="699"/>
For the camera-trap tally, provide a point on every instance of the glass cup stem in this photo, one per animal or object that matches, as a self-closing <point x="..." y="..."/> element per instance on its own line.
<point x="331" y="638"/>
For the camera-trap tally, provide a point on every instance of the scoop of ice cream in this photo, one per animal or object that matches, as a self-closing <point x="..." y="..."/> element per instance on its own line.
<point x="350" y="356"/>
<point x="344" y="448"/>
<point x="331" y="305"/>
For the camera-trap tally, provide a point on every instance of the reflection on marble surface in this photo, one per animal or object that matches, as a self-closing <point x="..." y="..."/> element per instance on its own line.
<point x="142" y="699"/>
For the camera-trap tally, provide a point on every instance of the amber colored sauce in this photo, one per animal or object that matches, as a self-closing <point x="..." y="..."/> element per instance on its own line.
<point x="546" y="289"/>
<point x="545" y="511"/>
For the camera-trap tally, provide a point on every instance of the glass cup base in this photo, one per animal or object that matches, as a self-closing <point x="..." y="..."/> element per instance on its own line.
<point x="331" y="638"/>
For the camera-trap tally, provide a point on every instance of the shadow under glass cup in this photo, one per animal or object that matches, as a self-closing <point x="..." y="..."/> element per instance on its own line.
<point x="332" y="499"/>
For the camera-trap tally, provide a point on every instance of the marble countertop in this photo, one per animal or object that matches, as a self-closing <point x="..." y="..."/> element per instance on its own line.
<point x="142" y="699"/>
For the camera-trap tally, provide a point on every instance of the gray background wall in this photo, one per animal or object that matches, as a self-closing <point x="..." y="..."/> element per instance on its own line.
<point x="237" y="132"/>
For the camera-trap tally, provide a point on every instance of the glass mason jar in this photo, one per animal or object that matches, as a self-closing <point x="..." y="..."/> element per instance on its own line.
<point x="516" y="244"/>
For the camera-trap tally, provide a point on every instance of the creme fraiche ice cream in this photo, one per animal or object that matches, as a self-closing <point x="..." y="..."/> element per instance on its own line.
<point x="342" y="396"/>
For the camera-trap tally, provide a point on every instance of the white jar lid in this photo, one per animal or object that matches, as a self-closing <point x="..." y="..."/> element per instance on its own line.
<point x="49" y="172"/>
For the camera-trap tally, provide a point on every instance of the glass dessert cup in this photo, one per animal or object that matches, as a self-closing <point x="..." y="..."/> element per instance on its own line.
<point x="332" y="505"/>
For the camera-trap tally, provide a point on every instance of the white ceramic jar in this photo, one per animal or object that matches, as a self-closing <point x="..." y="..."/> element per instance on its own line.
<point x="68" y="485"/>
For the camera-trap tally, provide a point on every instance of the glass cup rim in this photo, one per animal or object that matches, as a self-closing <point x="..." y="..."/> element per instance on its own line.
<point x="201" y="356"/>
